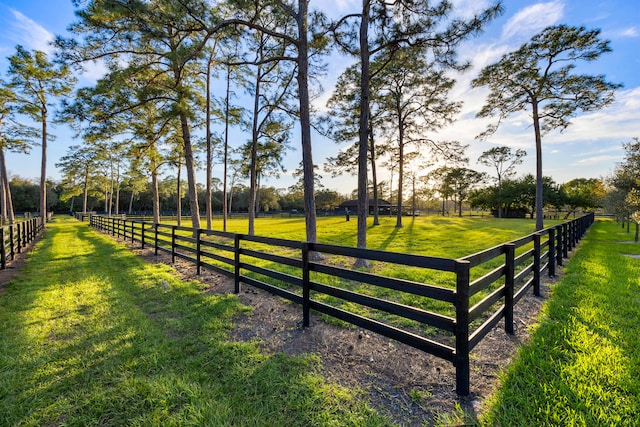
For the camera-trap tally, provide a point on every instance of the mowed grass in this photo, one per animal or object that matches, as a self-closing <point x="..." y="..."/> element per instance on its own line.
<point x="92" y="335"/>
<point x="437" y="236"/>
<point x="582" y="366"/>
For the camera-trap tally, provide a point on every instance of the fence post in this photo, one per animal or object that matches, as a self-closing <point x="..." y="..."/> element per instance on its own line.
<point x="12" y="243"/>
<point x="461" y="359"/>
<point x="173" y="244"/>
<point x="572" y="235"/>
<point x="552" y="252"/>
<point x="20" y="240"/>
<point x="565" y="240"/>
<point x="3" y="250"/>
<point x="155" y="227"/>
<point x="236" y="256"/>
<point x="509" y="285"/>
<point x="198" y="237"/>
<point x="536" y="264"/>
<point x="306" y="285"/>
<point x="142" y="224"/>
<point x="559" y="244"/>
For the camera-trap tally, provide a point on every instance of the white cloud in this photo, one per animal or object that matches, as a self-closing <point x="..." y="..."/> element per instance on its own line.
<point x="532" y="19"/>
<point x="30" y="34"/>
<point x="630" y="32"/>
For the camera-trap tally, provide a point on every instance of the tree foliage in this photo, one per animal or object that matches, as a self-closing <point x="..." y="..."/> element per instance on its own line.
<point x="541" y="77"/>
<point x="38" y="83"/>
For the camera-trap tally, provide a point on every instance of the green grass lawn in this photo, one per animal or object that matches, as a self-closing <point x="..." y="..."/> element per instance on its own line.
<point x="92" y="335"/>
<point x="450" y="237"/>
<point x="582" y="366"/>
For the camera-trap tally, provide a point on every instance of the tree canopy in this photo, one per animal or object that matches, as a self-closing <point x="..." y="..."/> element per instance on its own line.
<point x="540" y="77"/>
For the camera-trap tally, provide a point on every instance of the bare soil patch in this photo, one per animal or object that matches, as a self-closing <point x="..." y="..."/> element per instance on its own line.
<point x="412" y="387"/>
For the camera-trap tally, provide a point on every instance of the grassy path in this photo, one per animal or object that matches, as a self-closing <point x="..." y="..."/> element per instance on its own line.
<point x="582" y="366"/>
<point x="91" y="335"/>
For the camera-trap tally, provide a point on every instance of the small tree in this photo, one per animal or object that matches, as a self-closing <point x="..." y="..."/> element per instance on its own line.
<point x="504" y="161"/>
<point x="540" y="76"/>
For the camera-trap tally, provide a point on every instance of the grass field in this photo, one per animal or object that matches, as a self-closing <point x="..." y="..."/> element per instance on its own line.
<point x="92" y="335"/>
<point x="450" y="237"/>
<point x="582" y="365"/>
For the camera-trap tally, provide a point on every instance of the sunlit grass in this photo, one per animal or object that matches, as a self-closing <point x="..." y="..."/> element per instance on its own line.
<point x="92" y="335"/>
<point x="581" y="366"/>
<point x="450" y="237"/>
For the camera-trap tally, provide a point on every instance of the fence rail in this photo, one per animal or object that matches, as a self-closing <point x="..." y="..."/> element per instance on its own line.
<point x="482" y="290"/>
<point x="15" y="237"/>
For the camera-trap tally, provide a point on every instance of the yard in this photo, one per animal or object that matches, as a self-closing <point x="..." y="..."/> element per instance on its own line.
<point x="93" y="335"/>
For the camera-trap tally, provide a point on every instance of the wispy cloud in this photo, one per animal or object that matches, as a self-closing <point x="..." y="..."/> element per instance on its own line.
<point x="532" y="19"/>
<point x="630" y="32"/>
<point x="28" y="33"/>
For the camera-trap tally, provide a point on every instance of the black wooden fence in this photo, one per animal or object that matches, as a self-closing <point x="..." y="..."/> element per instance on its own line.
<point x="483" y="289"/>
<point x="15" y="237"/>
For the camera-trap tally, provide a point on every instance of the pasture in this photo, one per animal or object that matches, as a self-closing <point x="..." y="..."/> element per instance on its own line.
<point x="437" y="236"/>
<point x="92" y="335"/>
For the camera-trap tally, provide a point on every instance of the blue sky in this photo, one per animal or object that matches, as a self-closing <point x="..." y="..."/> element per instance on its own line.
<point x="589" y="148"/>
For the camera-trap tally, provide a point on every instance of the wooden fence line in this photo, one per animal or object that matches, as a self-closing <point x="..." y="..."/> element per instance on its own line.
<point x="504" y="285"/>
<point x="15" y="237"/>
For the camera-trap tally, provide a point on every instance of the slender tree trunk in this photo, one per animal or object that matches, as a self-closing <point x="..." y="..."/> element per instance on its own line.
<point x="413" y="194"/>
<point x="106" y="197"/>
<point x="6" y="188"/>
<point x="499" y="196"/>
<point x="191" y="172"/>
<point x="179" y="195"/>
<point x="305" y="123"/>
<point x="133" y="193"/>
<point x="85" y="190"/>
<point x="3" y="201"/>
<point x="226" y="151"/>
<point x="110" y="184"/>
<point x="209" y="154"/>
<point x="117" y="188"/>
<point x="374" y="175"/>
<point x="230" y="205"/>
<point x="43" y="170"/>
<point x="253" y="162"/>
<point x="258" y="179"/>
<point x="363" y="194"/>
<point x="539" y="196"/>
<point x="156" y="193"/>
<point x="400" y="167"/>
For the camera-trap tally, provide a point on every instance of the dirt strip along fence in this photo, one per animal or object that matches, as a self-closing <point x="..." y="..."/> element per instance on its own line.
<point x="15" y="237"/>
<point x="480" y="289"/>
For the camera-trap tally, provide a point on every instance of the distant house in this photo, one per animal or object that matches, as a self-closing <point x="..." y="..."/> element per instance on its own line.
<point x="384" y="207"/>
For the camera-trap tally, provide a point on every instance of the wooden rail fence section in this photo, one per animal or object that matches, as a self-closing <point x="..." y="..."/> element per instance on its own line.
<point x="484" y="287"/>
<point x="15" y="237"/>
